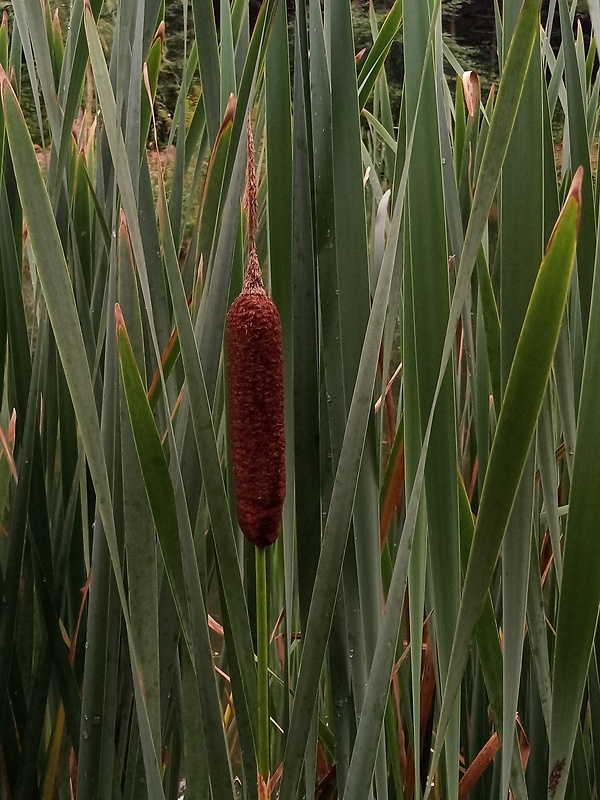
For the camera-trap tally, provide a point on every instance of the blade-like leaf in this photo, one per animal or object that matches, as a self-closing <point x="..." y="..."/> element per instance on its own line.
<point x="58" y="294"/>
<point x="580" y="592"/>
<point x="516" y="427"/>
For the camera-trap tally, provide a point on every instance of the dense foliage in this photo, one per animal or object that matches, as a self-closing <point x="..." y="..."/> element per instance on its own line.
<point x="424" y="624"/>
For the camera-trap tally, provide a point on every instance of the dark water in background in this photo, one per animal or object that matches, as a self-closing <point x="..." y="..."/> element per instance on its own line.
<point x="469" y="26"/>
<point x="472" y="24"/>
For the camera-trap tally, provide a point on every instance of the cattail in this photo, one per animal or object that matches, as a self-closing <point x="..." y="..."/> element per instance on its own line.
<point x="255" y="394"/>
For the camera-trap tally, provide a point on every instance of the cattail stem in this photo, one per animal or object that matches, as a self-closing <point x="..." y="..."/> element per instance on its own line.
<point x="262" y="636"/>
<point x="251" y="188"/>
<point x="253" y="282"/>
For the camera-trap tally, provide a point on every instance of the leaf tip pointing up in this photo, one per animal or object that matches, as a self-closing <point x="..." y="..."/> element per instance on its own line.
<point x="575" y="190"/>
<point x="4" y="80"/>
<point x="7" y="87"/>
<point x="573" y="199"/>
<point x="470" y="82"/>
<point x="160" y="33"/>
<point x="120" y="321"/>
<point x="230" y="110"/>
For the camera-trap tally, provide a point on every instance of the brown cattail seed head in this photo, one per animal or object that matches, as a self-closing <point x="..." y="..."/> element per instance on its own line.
<point x="255" y="393"/>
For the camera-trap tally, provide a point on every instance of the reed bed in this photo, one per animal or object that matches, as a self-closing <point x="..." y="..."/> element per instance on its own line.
<point x="423" y="623"/>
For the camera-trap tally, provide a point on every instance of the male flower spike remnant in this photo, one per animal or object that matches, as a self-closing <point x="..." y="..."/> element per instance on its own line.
<point x="255" y="394"/>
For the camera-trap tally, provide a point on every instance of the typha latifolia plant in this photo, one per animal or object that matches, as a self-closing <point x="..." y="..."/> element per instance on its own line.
<point x="427" y="621"/>
<point x="254" y="357"/>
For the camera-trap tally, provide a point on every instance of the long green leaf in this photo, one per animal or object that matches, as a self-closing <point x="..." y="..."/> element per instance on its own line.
<point x="58" y="294"/>
<point x="516" y="427"/>
<point x="155" y="471"/>
<point x="163" y="504"/>
<point x="580" y="592"/>
<point x="378" y="53"/>
<point x="337" y="526"/>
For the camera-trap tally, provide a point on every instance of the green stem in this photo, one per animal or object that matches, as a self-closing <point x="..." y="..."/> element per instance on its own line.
<point x="262" y="635"/>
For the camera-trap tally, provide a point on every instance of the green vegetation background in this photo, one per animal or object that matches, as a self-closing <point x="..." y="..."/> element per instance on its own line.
<point x="470" y="24"/>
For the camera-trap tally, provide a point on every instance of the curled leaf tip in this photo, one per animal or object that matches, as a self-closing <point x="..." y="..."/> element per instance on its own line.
<point x="573" y="195"/>
<point x="230" y="110"/>
<point x="470" y="82"/>
<point x="119" y="319"/>
<point x="4" y="82"/>
<point x="160" y="32"/>
<point x="88" y="6"/>
<point x="576" y="184"/>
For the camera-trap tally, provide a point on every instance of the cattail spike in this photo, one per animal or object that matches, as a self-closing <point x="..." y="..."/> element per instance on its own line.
<point x="255" y="392"/>
<point x="256" y="422"/>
